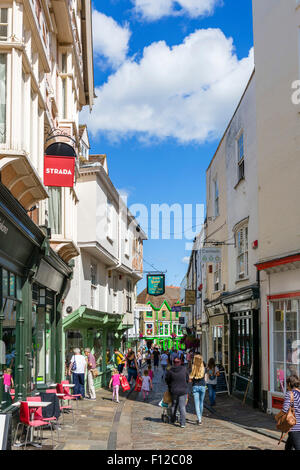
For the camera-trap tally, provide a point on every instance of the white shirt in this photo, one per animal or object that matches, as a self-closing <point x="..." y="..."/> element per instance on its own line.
<point x="164" y="359"/>
<point x="80" y="363"/>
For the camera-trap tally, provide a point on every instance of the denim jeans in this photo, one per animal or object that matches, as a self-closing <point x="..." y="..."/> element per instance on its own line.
<point x="181" y="402"/>
<point x="212" y="393"/>
<point x="293" y="441"/>
<point x="78" y="381"/>
<point x="199" y="394"/>
<point x="131" y="373"/>
<point x="120" y="368"/>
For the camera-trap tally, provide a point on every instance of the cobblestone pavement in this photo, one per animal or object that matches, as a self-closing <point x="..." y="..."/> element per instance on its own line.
<point x="148" y="431"/>
<point x="135" y="425"/>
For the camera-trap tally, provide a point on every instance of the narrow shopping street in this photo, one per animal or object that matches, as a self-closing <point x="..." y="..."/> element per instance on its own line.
<point x="136" y="425"/>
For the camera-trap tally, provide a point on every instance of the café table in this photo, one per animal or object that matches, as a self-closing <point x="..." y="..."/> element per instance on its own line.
<point x="33" y="406"/>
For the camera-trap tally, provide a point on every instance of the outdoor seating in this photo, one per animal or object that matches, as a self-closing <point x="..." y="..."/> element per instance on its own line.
<point x="63" y="408"/>
<point x="31" y="423"/>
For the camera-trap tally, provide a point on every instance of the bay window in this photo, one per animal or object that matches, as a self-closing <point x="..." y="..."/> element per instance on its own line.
<point x="217" y="277"/>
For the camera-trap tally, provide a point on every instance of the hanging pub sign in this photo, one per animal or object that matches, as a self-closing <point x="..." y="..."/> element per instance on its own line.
<point x="59" y="171"/>
<point x="156" y="284"/>
<point x="211" y="255"/>
<point x="190" y="297"/>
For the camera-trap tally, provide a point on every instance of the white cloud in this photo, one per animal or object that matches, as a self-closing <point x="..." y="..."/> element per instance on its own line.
<point x="187" y="92"/>
<point x="110" y="39"/>
<point x="152" y="10"/>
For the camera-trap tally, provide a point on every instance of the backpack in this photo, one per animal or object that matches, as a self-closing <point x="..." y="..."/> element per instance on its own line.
<point x="286" y="421"/>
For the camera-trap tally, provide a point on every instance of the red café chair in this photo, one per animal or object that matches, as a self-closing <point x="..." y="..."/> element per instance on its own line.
<point x="26" y="421"/>
<point x="12" y="393"/>
<point x="63" y="408"/>
<point x="38" y="415"/>
<point x="71" y="396"/>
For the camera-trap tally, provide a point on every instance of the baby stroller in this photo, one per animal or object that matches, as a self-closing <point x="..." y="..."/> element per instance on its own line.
<point x="166" y="415"/>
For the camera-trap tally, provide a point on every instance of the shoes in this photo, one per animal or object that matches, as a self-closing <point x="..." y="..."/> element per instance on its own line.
<point x="116" y="401"/>
<point x="182" y="426"/>
<point x="199" y="422"/>
<point x="92" y="398"/>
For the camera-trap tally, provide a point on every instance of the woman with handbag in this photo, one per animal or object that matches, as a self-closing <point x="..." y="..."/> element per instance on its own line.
<point x="78" y="368"/>
<point x="293" y="395"/>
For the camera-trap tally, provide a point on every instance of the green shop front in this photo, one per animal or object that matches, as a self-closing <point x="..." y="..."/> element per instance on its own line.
<point x="101" y="332"/>
<point x="32" y="282"/>
<point x="162" y="327"/>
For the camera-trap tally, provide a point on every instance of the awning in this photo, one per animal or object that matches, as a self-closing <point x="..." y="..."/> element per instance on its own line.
<point x="85" y="317"/>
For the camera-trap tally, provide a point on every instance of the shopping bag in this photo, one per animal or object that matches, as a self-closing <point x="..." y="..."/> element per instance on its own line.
<point x="138" y="384"/>
<point x="124" y="384"/>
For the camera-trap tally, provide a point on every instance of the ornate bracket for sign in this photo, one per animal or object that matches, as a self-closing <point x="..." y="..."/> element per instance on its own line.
<point x="56" y="132"/>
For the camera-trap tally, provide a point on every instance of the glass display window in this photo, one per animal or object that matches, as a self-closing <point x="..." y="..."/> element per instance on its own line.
<point x="285" y="342"/>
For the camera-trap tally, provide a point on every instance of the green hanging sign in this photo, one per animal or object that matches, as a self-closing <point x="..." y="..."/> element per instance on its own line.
<point x="156" y="284"/>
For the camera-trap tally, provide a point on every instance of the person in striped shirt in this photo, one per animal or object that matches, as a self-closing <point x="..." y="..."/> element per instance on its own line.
<point x="293" y="385"/>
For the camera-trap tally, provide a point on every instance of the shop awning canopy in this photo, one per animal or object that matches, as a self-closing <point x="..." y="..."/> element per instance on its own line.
<point x="85" y="317"/>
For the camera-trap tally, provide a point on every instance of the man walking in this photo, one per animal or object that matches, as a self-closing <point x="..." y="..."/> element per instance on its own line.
<point x="91" y="364"/>
<point x="177" y="379"/>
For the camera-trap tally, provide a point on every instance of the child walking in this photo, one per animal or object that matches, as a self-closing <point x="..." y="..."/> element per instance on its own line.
<point x="8" y="380"/>
<point x="115" y="383"/>
<point x="150" y="373"/>
<point x="146" y="384"/>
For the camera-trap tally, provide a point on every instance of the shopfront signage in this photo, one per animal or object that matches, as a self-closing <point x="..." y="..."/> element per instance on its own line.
<point x="190" y="297"/>
<point x="59" y="171"/>
<point x="211" y="255"/>
<point x="176" y="308"/>
<point x="156" y="284"/>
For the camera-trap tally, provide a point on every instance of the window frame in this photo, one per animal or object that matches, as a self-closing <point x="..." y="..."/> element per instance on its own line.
<point x="244" y="229"/>
<point x="240" y="158"/>
<point x="217" y="270"/>
<point x="216" y="198"/>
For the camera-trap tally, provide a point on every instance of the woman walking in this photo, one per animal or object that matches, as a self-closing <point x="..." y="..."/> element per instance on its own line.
<point x="132" y="367"/>
<point x="212" y="373"/>
<point x="177" y="379"/>
<point x="293" y="388"/>
<point x="78" y="367"/>
<point x="198" y="382"/>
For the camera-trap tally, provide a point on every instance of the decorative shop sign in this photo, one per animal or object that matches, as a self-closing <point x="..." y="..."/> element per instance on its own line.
<point x="13" y="242"/>
<point x="190" y="297"/>
<point x="156" y="284"/>
<point x="211" y="255"/>
<point x="59" y="171"/>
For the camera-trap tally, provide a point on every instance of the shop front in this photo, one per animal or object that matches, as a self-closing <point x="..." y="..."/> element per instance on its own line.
<point x="101" y="332"/>
<point x="21" y="243"/>
<point x="215" y="333"/>
<point x="280" y="312"/>
<point x="244" y="370"/>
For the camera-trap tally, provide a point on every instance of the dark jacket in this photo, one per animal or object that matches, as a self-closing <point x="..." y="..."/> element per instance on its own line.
<point x="177" y="379"/>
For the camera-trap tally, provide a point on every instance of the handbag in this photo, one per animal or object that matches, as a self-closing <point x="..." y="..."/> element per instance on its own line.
<point x="74" y="366"/>
<point x="124" y="384"/>
<point x="286" y="421"/>
<point x="95" y="373"/>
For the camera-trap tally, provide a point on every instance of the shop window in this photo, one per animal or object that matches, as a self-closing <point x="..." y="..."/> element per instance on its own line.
<point x="8" y="326"/>
<point x="217" y="337"/>
<point x="149" y="314"/>
<point x="166" y="329"/>
<point x="129" y="296"/>
<point x="164" y="314"/>
<point x="55" y="209"/>
<point x="242" y="252"/>
<point x="149" y="329"/>
<point x="3" y="97"/>
<point x="97" y="348"/>
<point x="241" y="163"/>
<point x="175" y="328"/>
<point x="285" y="338"/>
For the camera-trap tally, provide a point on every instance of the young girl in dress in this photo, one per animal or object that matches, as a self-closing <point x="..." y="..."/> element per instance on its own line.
<point x="115" y="383"/>
<point x="8" y="380"/>
<point x="146" y="384"/>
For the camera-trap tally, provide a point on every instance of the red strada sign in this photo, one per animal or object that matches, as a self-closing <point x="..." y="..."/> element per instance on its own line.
<point x="59" y="171"/>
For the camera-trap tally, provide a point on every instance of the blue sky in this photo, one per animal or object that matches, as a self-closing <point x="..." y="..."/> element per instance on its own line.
<point x="167" y="81"/>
